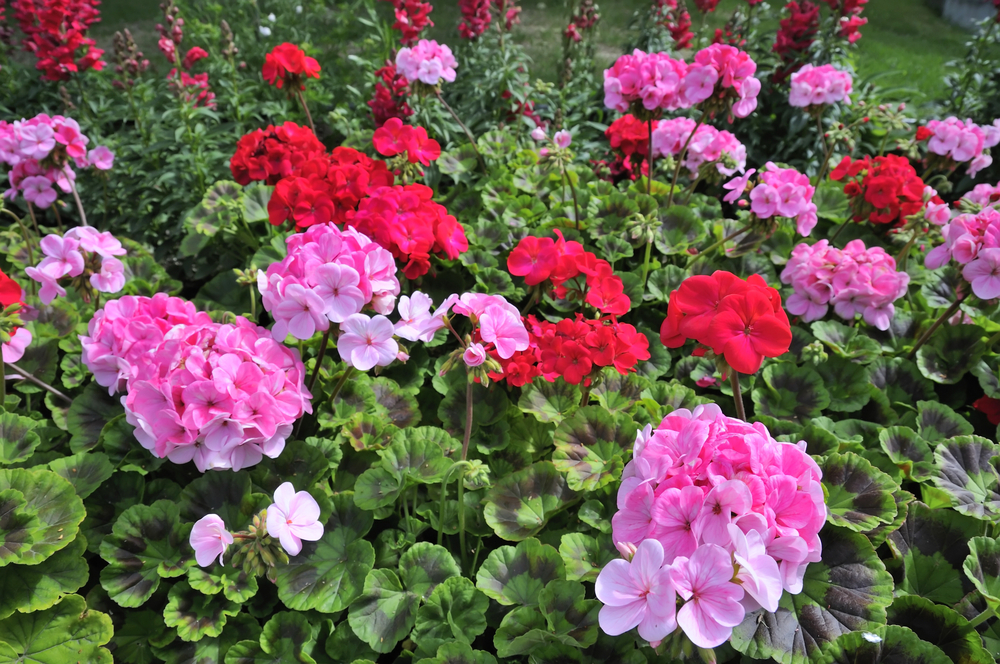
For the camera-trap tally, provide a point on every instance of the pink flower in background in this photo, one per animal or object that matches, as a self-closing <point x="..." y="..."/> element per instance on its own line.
<point x="815" y="86"/>
<point x="712" y="601"/>
<point x="562" y="139"/>
<point x="474" y="355"/>
<point x="292" y="518"/>
<point x="367" y="342"/>
<point x="428" y="62"/>
<point x="984" y="274"/>
<point x="209" y="539"/>
<point x="103" y="244"/>
<point x="38" y="191"/>
<point x="737" y="186"/>
<point x="111" y="278"/>
<point x="101" y="158"/>
<point x="504" y="329"/>
<point x="638" y="594"/>
<point x="37" y="141"/>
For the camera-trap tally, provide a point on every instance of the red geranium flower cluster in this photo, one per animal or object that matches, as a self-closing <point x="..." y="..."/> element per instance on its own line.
<point x="405" y="220"/>
<point x="584" y="18"/>
<point x="796" y="34"/>
<point x="630" y="135"/>
<point x="883" y="190"/>
<point x="411" y="19"/>
<point x="849" y="15"/>
<point x="287" y="64"/>
<point x="394" y="138"/>
<point x="742" y="321"/>
<point x="706" y="6"/>
<point x="391" y="90"/>
<point x="677" y="20"/>
<point x="575" y="349"/>
<point x="540" y="259"/>
<point x="476" y="18"/>
<point x="55" y="32"/>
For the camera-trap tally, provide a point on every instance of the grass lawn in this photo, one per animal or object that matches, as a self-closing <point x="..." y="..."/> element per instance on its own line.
<point x="905" y="37"/>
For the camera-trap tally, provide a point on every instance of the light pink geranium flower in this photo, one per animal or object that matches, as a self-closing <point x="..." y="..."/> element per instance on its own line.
<point x="984" y="274"/>
<point x="210" y="539"/>
<point x="19" y="341"/>
<point x="38" y="191"/>
<point x="764" y="201"/>
<point x="474" y="355"/>
<point x="62" y="257"/>
<point x="562" y="139"/>
<point x="737" y="186"/>
<point x="759" y="573"/>
<point x="111" y="278"/>
<point x="367" y="342"/>
<point x="50" y="287"/>
<point x="638" y="594"/>
<point x="292" y="518"/>
<point x="338" y="286"/>
<point x="712" y="601"/>
<point x="416" y="321"/>
<point x="504" y="329"/>
<point x="101" y="158"/>
<point x="300" y="314"/>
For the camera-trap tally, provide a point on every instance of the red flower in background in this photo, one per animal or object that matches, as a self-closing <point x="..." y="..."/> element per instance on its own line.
<point x="630" y="135"/>
<point x="55" y="33"/>
<point x="795" y="35"/>
<point x="194" y="54"/>
<point x="395" y="138"/>
<point x="476" y="18"/>
<point x="287" y="64"/>
<point x="986" y="405"/>
<point x="883" y="190"/>
<point x="411" y="19"/>
<point x="391" y="90"/>
<point x="742" y="321"/>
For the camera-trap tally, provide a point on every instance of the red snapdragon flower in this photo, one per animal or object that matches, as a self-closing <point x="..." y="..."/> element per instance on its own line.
<point x="742" y="321"/>
<point x="411" y="19"/>
<point x="394" y="138"/>
<point x="883" y="190"/>
<point x="287" y="64"/>
<point x="55" y="33"/>
<point x="476" y="18"/>
<point x="795" y="35"/>
<point x="194" y="54"/>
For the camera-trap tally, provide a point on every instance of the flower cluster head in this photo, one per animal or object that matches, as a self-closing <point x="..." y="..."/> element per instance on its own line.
<point x="192" y="89"/>
<point x="959" y="142"/>
<point x="405" y="220"/>
<point x="718" y="148"/>
<point x="574" y="273"/>
<point x="293" y="517"/>
<point x="15" y="338"/>
<point x="742" y="321"/>
<point x="84" y="256"/>
<point x="585" y="17"/>
<point x="55" y="32"/>
<point x="973" y="241"/>
<point x="411" y="19"/>
<point x="630" y="135"/>
<point x="779" y="192"/>
<point x="645" y="81"/>
<point x="394" y="138"/>
<point x="172" y="34"/>
<point x="131" y="62"/>
<point x="327" y="276"/>
<point x="676" y="19"/>
<point x="287" y="64"/>
<point x="476" y="18"/>
<point x="855" y="280"/>
<point x="716" y="519"/>
<point x="498" y="329"/>
<point x="723" y="74"/>
<point x="983" y="195"/>
<point x="848" y="13"/>
<point x="40" y="152"/>
<point x="883" y="190"/>
<point x="816" y="86"/>
<point x="391" y="91"/>
<point x="312" y="186"/>
<point x="427" y="62"/>
<point x="222" y="396"/>
<point x="795" y="35"/>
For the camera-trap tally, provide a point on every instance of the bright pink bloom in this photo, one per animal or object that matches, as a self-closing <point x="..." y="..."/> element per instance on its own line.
<point x="367" y="342"/>
<point x="984" y="274"/>
<point x="562" y="139"/>
<point x="111" y="278"/>
<point x="724" y="502"/>
<point x="292" y="518"/>
<point x="101" y="158"/>
<point x="815" y="86"/>
<point x="503" y="329"/>
<point x="38" y="191"/>
<point x="300" y="313"/>
<point x="209" y="539"/>
<point x="428" y="62"/>
<point x="712" y="602"/>
<point x="638" y="594"/>
<point x="474" y="355"/>
<point x="19" y="341"/>
<point x="62" y="257"/>
<point x="337" y="285"/>
<point x="416" y="321"/>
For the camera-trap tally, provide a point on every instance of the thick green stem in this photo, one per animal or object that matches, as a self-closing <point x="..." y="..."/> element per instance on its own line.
<point x="645" y="260"/>
<point x="992" y="340"/>
<point x="827" y="150"/>
<point x="734" y="380"/>
<point x="680" y="157"/>
<point x="948" y="313"/>
<point x="340" y="384"/>
<point x="3" y="386"/>
<point x="31" y="379"/>
<point x="572" y="191"/>
<point x="465" y="453"/>
<point x="444" y="496"/>
<point x="649" y="160"/>
<point x="24" y="233"/>
<point x="305" y="107"/>
<point x="981" y="618"/>
<point x="468" y="134"/>
<point x="319" y="358"/>
<point x="79" y="204"/>
<point x="740" y="231"/>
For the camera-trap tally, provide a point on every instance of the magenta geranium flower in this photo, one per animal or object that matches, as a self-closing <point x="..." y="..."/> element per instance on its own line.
<point x="292" y="518"/>
<point x="638" y="594"/>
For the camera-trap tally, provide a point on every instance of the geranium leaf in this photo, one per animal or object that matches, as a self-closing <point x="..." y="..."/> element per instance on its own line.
<point x="845" y="592"/>
<point x="86" y="471"/>
<point x="424" y="566"/>
<point x="878" y="535"/>
<point x="673" y="395"/>
<point x="105" y="505"/>
<point x="791" y="392"/>
<point x="377" y="487"/>
<point x="889" y="644"/>
<point x="417" y="459"/>
<point x="232" y="582"/>
<point x="616" y="392"/>
<point x="585" y="556"/>
<point x="847" y="383"/>
<point x="368" y="432"/>
<point x="516" y="575"/>
<point x="489" y="404"/>
<point x="983" y="569"/>
<point x="908" y="451"/>
<point x="455" y="611"/>
<point x="17" y="440"/>
<point x="66" y="632"/>
<point x="847" y="342"/>
<point x="287" y="637"/>
<point x="16" y="526"/>
<point x="900" y="381"/>
<point x="519" y="505"/>
<point x="385" y="613"/>
<point x="28" y="588"/>
<point x="194" y="614"/>
<point x="592" y="513"/>
<point x="147" y="542"/>
<point x="227" y="495"/>
<point x="299" y="463"/>
<point x="330" y="574"/>
<point x="522" y="630"/>
<point x="53" y="501"/>
<point x="117" y="440"/>
<point x="859" y="496"/>
<point x="940" y="626"/>
<point x="458" y="653"/>
<point x="936" y="422"/>
<point x="967" y="474"/>
<point x="88" y="414"/>
<point x="549" y="402"/>
<point x="432" y="436"/>
<point x="207" y="650"/>
<point x="568" y="613"/>
<point x="951" y="353"/>
<point x="394" y="403"/>
<point x="133" y="637"/>
<point x="590" y="446"/>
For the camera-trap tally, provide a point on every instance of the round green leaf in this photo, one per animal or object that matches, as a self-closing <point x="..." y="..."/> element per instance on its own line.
<point x="967" y="474"/>
<point x="791" y="392"/>
<point x="458" y="653"/>
<point x="585" y="556"/>
<point x="53" y="501"/>
<point x="394" y="403"/>
<point x="908" y="451"/>
<point x="377" y="487"/>
<point x="568" y="613"/>
<point x="549" y="402"/>
<point x="951" y="353"/>
<point x="147" y="542"/>
<point x="616" y="392"/>
<point x="516" y="575"/>
<point x="941" y="626"/>
<point x="117" y="440"/>
<point x="28" y="588"/>
<point x="424" y="566"/>
<point x="17" y="440"/>
<point x="519" y="504"/>
<point x="232" y="582"/>
<point x="88" y="414"/>
<point x="846" y="592"/>
<point x="590" y="446"/>
<point x="900" y="381"/>
<point x="846" y="342"/>
<point x="16" y="526"/>
<point x="286" y="638"/>
<point x="67" y="632"/>
<point x="983" y="569"/>
<point x="937" y="422"/>
<point x="417" y="459"/>
<point x="847" y="382"/>
<point x="195" y="614"/>
<point x="86" y="471"/>
<point x="384" y="615"/>
<point x="227" y="495"/>
<point x="890" y="644"/>
<point x="455" y="611"/>
<point x="207" y="650"/>
<point x="859" y="496"/>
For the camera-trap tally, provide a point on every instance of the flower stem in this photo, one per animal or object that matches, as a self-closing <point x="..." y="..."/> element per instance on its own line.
<point x="740" y="231"/>
<point x="444" y="496"/>
<point x="645" y="260"/>
<point x="649" y="160"/>
<point x="734" y="380"/>
<point x="992" y="340"/>
<point x="572" y="191"/>
<point x="340" y="383"/>
<point x="305" y="107"/>
<point x="34" y="222"/>
<point x="680" y="157"/>
<point x="948" y="313"/>
<point x="536" y="290"/>
<point x="465" y="453"/>
<point x="827" y="150"/>
<point x="24" y="233"/>
<point x="839" y="229"/>
<point x="981" y="618"/>
<point x="319" y="358"/>
<point x="79" y="203"/>
<point x="3" y="386"/>
<point x="31" y="379"/>
<point x="468" y="134"/>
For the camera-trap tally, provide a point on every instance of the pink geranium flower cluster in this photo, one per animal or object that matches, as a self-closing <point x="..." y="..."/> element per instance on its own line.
<point x="961" y="142"/>
<point x="715" y="519"/>
<point x="39" y="151"/>
<point x="428" y="62"/>
<point x="984" y="195"/>
<point x="723" y="71"/>
<point x="708" y="146"/>
<point x="973" y="241"/>
<point x="293" y="517"/>
<point x="816" y="86"/>
<point x="82" y="251"/>
<point x="327" y="276"/>
<point x="855" y="280"/>
<point x="499" y="329"/>
<point x="780" y="192"/>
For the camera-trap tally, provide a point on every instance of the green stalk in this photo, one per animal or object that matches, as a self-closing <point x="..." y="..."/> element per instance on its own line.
<point x="319" y="358"/>
<point x="31" y="379"/>
<point x="694" y="259"/>
<point x="734" y="380"/>
<point x="680" y="157"/>
<point x="948" y="313"/>
<point x="444" y="496"/>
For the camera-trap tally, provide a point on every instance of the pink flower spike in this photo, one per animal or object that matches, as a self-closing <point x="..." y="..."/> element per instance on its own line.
<point x="367" y="342"/>
<point x="712" y="601"/>
<point x="474" y="355"/>
<point x="638" y="594"/>
<point x="210" y="539"/>
<point x="984" y="274"/>
<point x="292" y="518"/>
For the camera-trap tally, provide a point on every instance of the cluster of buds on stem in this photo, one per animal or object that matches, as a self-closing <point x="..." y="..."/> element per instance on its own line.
<point x="478" y="362"/>
<point x="10" y="321"/>
<point x="172" y="34"/>
<point x="131" y="62"/>
<point x="256" y="552"/>
<point x="229" y="50"/>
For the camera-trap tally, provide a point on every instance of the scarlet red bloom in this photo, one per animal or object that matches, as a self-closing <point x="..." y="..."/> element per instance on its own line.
<point x="10" y="291"/>
<point x="411" y="19"/>
<point x="391" y="91"/>
<point x="55" y="32"/>
<point x="795" y="34"/>
<point x="287" y="64"/>
<point x="630" y="135"/>
<point x="923" y="133"/>
<point x="533" y="258"/>
<point x="989" y="407"/>
<point x="883" y="190"/>
<point x="742" y="321"/>
<point x="476" y="18"/>
<point x="394" y="138"/>
<point x="194" y="54"/>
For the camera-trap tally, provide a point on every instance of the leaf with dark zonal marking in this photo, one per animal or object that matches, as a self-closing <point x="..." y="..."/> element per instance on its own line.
<point x="900" y="381"/>
<point x="847" y="383"/>
<point x="53" y="501"/>
<point x="937" y="422"/>
<point x="908" y="451"/>
<point x="397" y="405"/>
<point x="232" y="582"/>
<point x="30" y="588"/>
<point x="458" y="653"/>
<point x="890" y="644"/>
<point x="516" y="575"/>
<point x="951" y="353"/>
<point x="591" y="445"/>
<point x="16" y="526"/>
<point x="227" y="495"/>
<point x="585" y="556"/>
<point x="455" y="611"/>
<point x="940" y="626"/>
<point x="519" y="505"/>
<point x="86" y="471"/>
<point x="549" y="402"/>
<point x="967" y="474"/>
<point x="616" y="392"/>
<point x="983" y="569"/>
<point x="17" y="440"/>
<point x="88" y="414"/>
<point x="791" y="392"/>
<point x="67" y="632"/>
<point x="286" y="638"/>
<point x="859" y="496"/>
<point x="194" y="614"/>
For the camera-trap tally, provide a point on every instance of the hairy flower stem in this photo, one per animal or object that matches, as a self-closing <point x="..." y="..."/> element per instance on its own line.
<point x="31" y="379"/>
<point x="827" y="150"/>
<point x="948" y="313"/>
<point x="981" y="618"/>
<point x="444" y="496"/>
<point x="645" y="260"/>
<point x="701" y="254"/>
<point x="839" y="229"/>
<point x="79" y="204"/>
<point x="465" y="453"/>
<point x="734" y="380"/>
<point x="305" y="107"/>
<point x="572" y="191"/>
<point x="680" y="157"/>
<point x="468" y="134"/>
<point x="992" y="340"/>
<point x="319" y="358"/>
<point x="649" y="160"/>
<point x="24" y="233"/>
<point x="340" y="383"/>
<point x="34" y="222"/>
